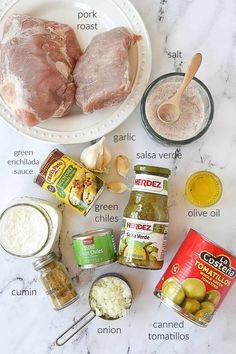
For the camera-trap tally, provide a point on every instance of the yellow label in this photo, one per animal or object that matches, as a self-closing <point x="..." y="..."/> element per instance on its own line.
<point x="73" y="184"/>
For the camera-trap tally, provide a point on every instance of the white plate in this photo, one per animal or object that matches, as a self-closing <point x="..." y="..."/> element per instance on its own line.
<point x="77" y="127"/>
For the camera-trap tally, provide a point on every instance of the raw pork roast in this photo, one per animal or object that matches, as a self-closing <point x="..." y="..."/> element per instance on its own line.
<point x="37" y="60"/>
<point x="102" y="74"/>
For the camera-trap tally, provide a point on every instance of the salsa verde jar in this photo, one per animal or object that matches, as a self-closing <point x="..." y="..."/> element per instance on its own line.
<point x="145" y="220"/>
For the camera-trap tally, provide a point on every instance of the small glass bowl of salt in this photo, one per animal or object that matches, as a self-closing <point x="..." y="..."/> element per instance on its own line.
<point x="196" y="106"/>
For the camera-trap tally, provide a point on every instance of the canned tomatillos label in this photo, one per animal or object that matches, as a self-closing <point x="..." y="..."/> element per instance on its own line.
<point x="94" y="248"/>
<point x="69" y="181"/>
<point x="198" y="279"/>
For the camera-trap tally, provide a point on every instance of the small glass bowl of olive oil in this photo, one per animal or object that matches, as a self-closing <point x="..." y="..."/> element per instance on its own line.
<point x="203" y="189"/>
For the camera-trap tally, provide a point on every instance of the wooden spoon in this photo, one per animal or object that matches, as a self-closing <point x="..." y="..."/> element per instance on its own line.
<point x="169" y="111"/>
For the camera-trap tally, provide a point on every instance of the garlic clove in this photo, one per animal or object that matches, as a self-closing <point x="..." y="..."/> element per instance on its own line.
<point x="96" y="157"/>
<point x="122" y="165"/>
<point x="116" y="187"/>
<point x="106" y="158"/>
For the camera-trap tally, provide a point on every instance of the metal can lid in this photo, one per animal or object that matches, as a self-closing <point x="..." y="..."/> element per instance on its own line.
<point x="169" y="303"/>
<point x="152" y="169"/>
<point x="96" y="232"/>
<point x="44" y="260"/>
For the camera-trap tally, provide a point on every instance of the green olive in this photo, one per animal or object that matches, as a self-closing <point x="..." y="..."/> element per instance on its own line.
<point x="208" y="306"/>
<point x="213" y="296"/>
<point x="155" y="249"/>
<point x="123" y="245"/>
<point x="194" y="288"/>
<point x="174" y="291"/>
<point x="168" y="281"/>
<point x="149" y="249"/>
<point x="152" y="258"/>
<point x="203" y="316"/>
<point x="191" y="305"/>
<point x="142" y="263"/>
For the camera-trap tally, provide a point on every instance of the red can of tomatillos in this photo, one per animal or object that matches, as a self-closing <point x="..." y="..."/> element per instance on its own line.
<point x="198" y="279"/>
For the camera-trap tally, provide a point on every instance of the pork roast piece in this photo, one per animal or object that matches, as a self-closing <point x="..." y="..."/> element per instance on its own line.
<point x="102" y="73"/>
<point x="37" y="60"/>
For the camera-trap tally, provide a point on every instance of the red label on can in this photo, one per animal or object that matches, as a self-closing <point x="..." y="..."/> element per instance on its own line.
<point x="88" y="241"/>
<point x="198" y="278"/>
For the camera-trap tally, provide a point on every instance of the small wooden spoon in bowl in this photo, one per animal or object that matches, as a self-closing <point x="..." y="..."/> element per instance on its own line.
<point x="169" y="111"/>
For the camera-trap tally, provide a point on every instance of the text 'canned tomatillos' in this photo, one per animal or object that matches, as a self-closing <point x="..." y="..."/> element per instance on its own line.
<point x="198" y="279"/>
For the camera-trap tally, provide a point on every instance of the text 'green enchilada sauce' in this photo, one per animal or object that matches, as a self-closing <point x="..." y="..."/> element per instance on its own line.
<point x="145" y="220"/>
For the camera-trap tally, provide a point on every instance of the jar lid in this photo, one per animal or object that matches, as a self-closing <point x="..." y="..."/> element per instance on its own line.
<point x="44" y="260"/>
<point x="152" y="169"/>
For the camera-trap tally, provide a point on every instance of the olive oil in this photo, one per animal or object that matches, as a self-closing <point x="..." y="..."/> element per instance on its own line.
<point x="203" y="189"/>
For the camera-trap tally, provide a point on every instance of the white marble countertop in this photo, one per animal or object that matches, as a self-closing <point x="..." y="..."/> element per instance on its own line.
<point x="28" y="324"/>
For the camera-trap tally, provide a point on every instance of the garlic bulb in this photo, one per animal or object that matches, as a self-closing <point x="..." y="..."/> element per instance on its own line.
<point x="96" y="157"/>
<point x="116" y="187"/>
<point x="122" y="165"/>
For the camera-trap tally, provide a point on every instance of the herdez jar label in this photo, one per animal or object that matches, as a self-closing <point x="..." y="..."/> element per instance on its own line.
<point x="198" y="279"/>
<point x="143" y="240"/>
<point x="145" y="219"/>
<point x="151" y="184"/>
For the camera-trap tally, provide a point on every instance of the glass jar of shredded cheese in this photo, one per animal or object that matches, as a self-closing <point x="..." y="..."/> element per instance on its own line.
<point x="55" y="281"/>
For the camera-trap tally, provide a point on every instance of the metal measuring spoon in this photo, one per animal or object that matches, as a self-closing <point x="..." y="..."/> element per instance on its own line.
<point x="169" y="111"/>
<point x="91" y="311"/>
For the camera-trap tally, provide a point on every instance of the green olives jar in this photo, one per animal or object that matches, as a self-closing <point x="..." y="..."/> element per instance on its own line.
<point x="145" y="220"/>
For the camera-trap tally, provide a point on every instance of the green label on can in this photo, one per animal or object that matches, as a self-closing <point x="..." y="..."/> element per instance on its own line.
<point x="93" y="250"/>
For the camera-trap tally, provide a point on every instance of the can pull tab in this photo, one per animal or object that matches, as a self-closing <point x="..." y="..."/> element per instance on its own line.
<point x="67" y="332"/>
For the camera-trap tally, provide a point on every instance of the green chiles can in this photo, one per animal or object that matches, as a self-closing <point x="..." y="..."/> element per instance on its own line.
<point x="94" y="248"/>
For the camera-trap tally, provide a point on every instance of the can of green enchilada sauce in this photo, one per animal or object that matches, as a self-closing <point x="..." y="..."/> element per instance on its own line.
<point x="198" y="279"/>
<point x="69" y="181"/>
<point x="94" y="248"/>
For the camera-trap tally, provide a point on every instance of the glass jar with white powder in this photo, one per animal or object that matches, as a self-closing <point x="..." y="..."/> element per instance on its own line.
<point x="29" y="227"/>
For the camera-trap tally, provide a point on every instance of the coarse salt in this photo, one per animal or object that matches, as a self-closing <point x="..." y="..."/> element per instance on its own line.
<point x="192" y="116"/>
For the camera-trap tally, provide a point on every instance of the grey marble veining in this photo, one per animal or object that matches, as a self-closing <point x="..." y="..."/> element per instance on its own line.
<point x="29" y="324"/>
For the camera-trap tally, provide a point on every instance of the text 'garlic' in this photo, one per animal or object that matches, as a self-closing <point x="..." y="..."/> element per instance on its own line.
<point x="96" y="157"/>
<point x="116" y="187"/>
<point x="122" y="165"/>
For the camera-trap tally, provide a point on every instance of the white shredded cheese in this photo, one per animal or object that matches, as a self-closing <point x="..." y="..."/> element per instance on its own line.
<point x="23" y="230"/>
<point x="110" y="297"/>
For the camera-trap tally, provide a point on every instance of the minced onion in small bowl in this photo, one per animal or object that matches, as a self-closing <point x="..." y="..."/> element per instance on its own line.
<point x="110" y="296"/>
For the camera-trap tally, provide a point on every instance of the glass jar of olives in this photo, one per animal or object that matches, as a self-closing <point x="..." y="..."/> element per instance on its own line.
<point x="145" y="221"/>
<point x="55" y="281"/>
